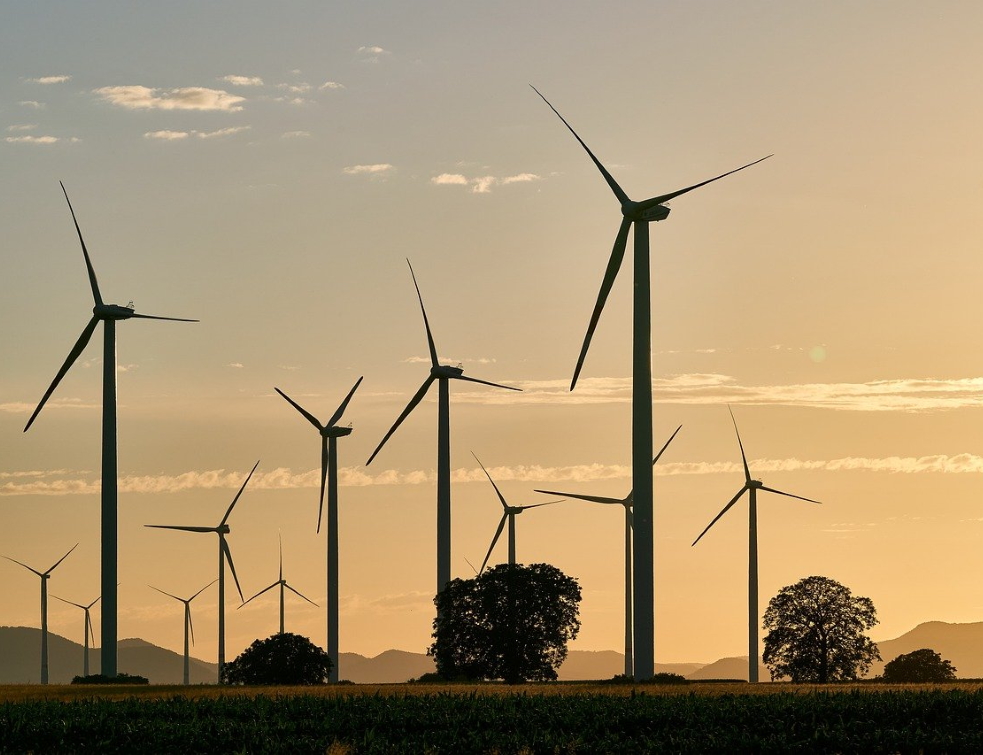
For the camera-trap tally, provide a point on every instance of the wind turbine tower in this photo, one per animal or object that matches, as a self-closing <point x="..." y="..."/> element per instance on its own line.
<point x="188" y="626"/>
<point x="282" y="584"/>
<point x="637" y="215"/>
<point x="86" y="630"/>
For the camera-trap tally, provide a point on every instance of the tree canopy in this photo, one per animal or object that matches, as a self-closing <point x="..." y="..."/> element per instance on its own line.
<point x="924" y="665"/>
<point x="281" y="659"/>
<point x="509" y="622"/>
<point x="816" y="632"/>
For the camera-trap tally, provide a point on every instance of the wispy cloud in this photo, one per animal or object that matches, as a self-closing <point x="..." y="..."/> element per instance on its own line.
<point x="237" y="365"/>
<point x="33" y="104"/>
<point x="243" y="81"/>
<point x="20" y="407"/>
<point x="51" y="79"/>
<point x="167" y="136"/>
<point x="482" y="184"/>
<point x="185" y="98"/>
<point x="449" y="360"/>
<point x="376" y="169"/>
<point x="295" y="134"/>
<point x="36" y="139"/>
<point x="372" y="53"/>
<point x="331" y="85"/>
<point x="221" y="132"/>
<point x="22" y="127"/>
<point x="300" y="88"/>
<point x="171" y="136"/>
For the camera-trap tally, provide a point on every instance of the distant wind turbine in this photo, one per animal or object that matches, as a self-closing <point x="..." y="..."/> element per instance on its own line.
<point x="86" y="630"/>
<point x="627" y="502"/>
<point x="108" y="314"/>
<point x="751" y="487"/>
<point x="281" y="583"/>
<point x="189" y="628"/>
<point x="222" y="529"/>
<point x="509" y="513"/>
<point x="639" y="215"/>
<point x="442" y="375"/>
<point x="45" y="576"/>
<point x="330" y="432"/>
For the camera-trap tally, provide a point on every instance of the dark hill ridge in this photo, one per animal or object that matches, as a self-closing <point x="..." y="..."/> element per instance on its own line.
<point x="962" y="644"/>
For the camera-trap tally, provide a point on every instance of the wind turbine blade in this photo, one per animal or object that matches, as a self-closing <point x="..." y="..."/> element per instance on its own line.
<point x="85" y="252"/>
<point x="191" y="626"/>
<point x="232" y="567"/>
<point x="62" y="558"/>
<point x="24" y="565"/>
<point x="155" y="317"/>
<point x="202" y="590"/>
<point x="299" y="594"/>
<point x="644" y="205"/>
<point x="77" y="605"/>
<point x="280" y="539"/>
<point x="614" y="265"/>
<point x="485" y="382"/>
<point x="722" y="512"/>
<point x="88" y="626"/>
<point x="505" y="505"/>
<point x="77" y="349"/>
<point x="618" y="192"/>
<point x="631" y="519"/>
<point x="790" y="495"/>
<point x="662" y="450"/>
<point x="234" y="500"/>
<point x="583" y="497"/>
<point x="476" y="573"/>
<point x="265" y="589"/>
<point x="324" y="478"/>
<point x="426" y="322"/>
<point x="537" y="505"/>
<point x="166" y="593"/>
<point x="498" y="534"/>
<point x="344" y="404"/>
<point x="747" y="472"/>
<point x="417" y="398"/>
<point x="178" y="527"/>
<point x="310" y="417"/>
<point x="94" y="602"/>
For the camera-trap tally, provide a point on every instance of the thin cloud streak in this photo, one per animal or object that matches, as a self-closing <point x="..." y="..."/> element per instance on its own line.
<point x="184" y="98"/>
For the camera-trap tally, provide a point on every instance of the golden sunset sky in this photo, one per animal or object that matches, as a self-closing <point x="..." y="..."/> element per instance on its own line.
<point x="267" y="168"/>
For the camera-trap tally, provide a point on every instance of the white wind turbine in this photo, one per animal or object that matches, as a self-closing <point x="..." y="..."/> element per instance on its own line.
<point x="282" y="584"/>
<point x="626" y="502"/>
<point x="189" y="628"/>
<point x="751" y="487"/>
<point x="45" y="576"/>
<point x="86" y="630"/>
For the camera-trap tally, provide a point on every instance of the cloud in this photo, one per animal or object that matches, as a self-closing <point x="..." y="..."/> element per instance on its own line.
<point x="22" y="127"/>
<point x="51" y="79"/>
<point x="301" y="88"/>
<point x="221" y="132"/>
<point x="243" y="81"/>
<point x="34" y="104"/>
<point x="295" y="134"/>
<point x="19" y="407"/>
<point x="449" y="360"/>
<point x="290" y="367"/>
<point x="167" y="136"/>
<point x="186" y="98"/>
<point x="482" y="184"/>
<point x="237" y="365"/>
<point x="171" y="136"/>
<point x="373" y="50"/>
<point x="34" y="139"/>
<point x="331" y="85"/>
<point x="374" y="170"/>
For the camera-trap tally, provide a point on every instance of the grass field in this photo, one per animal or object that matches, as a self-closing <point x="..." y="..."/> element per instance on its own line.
<point x="491" y="718"/>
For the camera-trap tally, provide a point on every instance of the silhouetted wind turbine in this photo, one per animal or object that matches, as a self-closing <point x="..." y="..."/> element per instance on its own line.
<point x="222" y="529"/>
<point x="627" y="503"/>
<point x="751" y="487"/>
<point x="86" y="630"/>
<point x="108" y="314"/>
<point x="189" y="628"/>
<point x="281" y="583"/>
<point x="330" y="432"/>
<point x="509" y="513"/>
<point x="639" y="215"/>
<point x="45" y="576"/>
<point x="442" y="375"/>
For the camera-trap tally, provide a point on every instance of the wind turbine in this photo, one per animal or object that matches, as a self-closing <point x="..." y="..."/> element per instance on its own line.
<point x="45" y="576"/>
<point x="442" y="375"/>
<point x="86" y="630"/>
<point x="222" y="529"/>
<point x="330" y="432"/>
<point x="509" y="513"/>
<point x="751" y="487"/>
<point x="108" y="314"/>
<point x="627" y="502"/>
<point x="639" y="215"/>
<point x="188" y="626"/>
<point x="281" y="583"/>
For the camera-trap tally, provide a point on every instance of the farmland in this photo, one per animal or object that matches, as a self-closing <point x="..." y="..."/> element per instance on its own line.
<point x="567" y="718"/>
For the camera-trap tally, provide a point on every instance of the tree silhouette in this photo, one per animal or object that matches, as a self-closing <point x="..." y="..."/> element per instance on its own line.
<point x="816" y="632"/>
<point x="510" y="622"/>
<point x="281" y="659"/>
<point x="923" y="665"/>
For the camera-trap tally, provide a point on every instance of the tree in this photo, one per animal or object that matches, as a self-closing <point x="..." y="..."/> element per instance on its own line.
<point x="923" y="665"/>
<point x="509" y="622"/>
<point x="816" y="632"/>
<point x="281" y="659"/>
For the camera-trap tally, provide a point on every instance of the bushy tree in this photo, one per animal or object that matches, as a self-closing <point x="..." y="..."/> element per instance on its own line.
<point x="281" y="659"/>
<point x="509" y="622"/>
<point x="816" y="632"/>
<point x="923" y="665"/>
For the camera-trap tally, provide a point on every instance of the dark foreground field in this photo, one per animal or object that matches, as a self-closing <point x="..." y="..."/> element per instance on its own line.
<point x="562" y="718"/>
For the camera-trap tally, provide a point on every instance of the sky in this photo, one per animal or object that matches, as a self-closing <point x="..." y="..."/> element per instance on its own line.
<point x="267" y="169"/>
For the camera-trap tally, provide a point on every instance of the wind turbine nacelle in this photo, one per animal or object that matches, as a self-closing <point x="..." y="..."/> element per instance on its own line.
<point x="655" y="214"/>
<point x="336" y="432"/>
<point x="112" y="312"/>
<point x="446" y="371"/>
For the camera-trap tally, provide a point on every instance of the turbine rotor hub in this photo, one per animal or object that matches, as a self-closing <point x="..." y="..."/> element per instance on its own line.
<point x="112" y="312"/>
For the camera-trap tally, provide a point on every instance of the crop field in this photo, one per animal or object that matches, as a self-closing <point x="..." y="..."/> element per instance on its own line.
<point x="555" y="718"/>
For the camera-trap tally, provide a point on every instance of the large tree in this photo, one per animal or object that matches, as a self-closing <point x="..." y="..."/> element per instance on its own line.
<point x="816" y="632"/>
<point x="281" y="659"/>
<point x="923" y="665"/>
<point x="509" y="622"/>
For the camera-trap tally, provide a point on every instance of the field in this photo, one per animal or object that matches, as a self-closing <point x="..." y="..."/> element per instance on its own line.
<point x="554" y="718"/>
